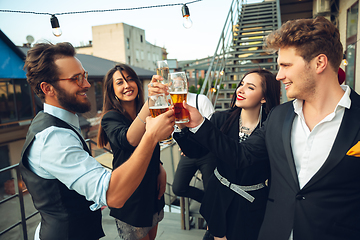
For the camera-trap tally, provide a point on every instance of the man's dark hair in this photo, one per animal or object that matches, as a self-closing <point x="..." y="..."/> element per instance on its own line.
<point x="40" y="64"/>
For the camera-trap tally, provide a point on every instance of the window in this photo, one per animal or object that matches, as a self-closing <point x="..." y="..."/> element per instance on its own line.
<point x="142" y="55"/>
<point x="15" y="100"/>
<point x="352" y="20"/>
<point x="141" y="38"/>
<point x="351" y="36"/>
<point x="129" y="60"/>
<point x="128" y="43"/>
<point x="137" y="55"/>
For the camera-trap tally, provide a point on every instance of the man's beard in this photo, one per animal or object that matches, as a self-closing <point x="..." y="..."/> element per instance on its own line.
<point x="70" y="103"/>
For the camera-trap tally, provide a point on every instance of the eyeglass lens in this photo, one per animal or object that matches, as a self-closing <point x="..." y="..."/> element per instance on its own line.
<point x="81" y="77"/>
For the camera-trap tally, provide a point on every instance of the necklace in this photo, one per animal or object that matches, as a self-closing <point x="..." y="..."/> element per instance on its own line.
<point x="245" y="132"/>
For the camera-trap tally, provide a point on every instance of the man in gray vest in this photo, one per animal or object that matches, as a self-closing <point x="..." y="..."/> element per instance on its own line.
<point x="67" y="184"/>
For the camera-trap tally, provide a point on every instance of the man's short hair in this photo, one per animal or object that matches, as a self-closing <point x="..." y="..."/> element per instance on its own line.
<point x="310" y="37"/>
<point x="40" y="64"/>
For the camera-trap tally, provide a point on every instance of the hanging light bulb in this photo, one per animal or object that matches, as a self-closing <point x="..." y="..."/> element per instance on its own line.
<point x="187" y="23"/>
<point x="344" y="61"/>
<point x="55" y="26"/>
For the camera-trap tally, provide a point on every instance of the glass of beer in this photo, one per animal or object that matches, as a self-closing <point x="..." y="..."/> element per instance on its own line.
<point x="159" y="104"/>
<point x="162" y="69"/>
<point x="178" y="89"/>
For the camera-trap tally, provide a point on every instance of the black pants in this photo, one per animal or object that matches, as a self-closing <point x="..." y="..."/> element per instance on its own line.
<point x="186" y="169"/>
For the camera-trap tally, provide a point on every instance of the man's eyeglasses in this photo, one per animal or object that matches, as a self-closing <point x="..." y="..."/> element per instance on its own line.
<point x="78" y="78"/>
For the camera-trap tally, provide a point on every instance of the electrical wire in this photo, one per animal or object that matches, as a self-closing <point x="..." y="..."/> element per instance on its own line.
<point x="97" y="11"/>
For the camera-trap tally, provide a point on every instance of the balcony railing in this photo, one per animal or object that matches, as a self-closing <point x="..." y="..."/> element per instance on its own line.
<point x="20" y="189"/>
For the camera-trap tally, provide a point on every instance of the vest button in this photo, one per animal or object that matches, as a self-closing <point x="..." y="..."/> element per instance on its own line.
<point x="300" y="197"/>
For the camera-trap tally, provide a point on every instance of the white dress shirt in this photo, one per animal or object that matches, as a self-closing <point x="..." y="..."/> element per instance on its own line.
<point x="311" y="149"/>
<point x="205" y="106"/>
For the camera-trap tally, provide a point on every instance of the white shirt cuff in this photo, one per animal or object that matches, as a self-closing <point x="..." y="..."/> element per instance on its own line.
<point x="195" y="129"/>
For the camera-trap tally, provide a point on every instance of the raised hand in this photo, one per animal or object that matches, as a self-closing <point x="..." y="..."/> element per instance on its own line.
<point x="195" y="117"/>
<point x="156" y="87"/>
<point x="161" y="126"/>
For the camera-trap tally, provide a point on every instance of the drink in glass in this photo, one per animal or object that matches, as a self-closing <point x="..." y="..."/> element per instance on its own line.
<point x="156" y="111"/>
<point x="178" y="93"/>
<point x="162" y="69"/>
<point x="158" y="104"/>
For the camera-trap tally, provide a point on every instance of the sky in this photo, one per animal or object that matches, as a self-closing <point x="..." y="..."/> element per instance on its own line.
<point x="163" y="26"/>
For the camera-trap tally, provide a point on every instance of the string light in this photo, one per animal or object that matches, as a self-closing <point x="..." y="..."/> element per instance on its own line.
<point x="187" y="23"/>
<point x="55" y="22"/>
<point x="55" y="26"/>
<point x="345" y="62"/>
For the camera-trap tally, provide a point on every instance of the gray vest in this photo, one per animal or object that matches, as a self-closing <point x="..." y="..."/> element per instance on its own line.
<point x="65" y="214"/>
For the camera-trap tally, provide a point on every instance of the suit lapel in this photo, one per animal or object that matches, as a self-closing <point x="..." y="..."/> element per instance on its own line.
<point x="286" y="136"/>
<point x="348" y="130"/>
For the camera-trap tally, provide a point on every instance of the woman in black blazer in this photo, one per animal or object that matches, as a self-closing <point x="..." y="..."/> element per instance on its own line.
<point x="122" y="126"/>
<point x="230" y="212"/>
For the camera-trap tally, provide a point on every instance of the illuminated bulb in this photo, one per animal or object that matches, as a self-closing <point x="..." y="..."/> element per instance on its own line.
<point x="55" y="26"/>
<point x="187" y="23"/>
<point x="345" y="62"/>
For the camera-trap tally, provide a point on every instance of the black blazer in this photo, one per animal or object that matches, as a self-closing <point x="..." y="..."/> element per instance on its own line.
<point x="328" y="206"/>
<point x="226" y="212"/>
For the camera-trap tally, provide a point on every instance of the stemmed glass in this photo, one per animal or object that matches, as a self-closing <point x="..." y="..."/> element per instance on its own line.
<point x="159" y="104"/>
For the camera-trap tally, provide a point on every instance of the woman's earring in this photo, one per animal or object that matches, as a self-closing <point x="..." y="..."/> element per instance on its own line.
<point x="117" y="98"/>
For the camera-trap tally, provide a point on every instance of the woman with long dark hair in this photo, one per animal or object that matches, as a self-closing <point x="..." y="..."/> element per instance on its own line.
<point x="122" y="126"/>
<point x="235" y="199"/>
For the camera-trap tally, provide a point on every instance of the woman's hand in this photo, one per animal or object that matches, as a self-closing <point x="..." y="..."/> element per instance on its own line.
<point x="156" y="87"/>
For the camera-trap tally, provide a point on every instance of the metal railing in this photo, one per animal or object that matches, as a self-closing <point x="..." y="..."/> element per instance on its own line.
<point x="19" y="193"/>
<point x="215" y="73"/>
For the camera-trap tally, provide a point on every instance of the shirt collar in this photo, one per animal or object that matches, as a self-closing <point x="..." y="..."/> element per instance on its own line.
<point x="63" y="114"/>
<point x="344" y="102"/>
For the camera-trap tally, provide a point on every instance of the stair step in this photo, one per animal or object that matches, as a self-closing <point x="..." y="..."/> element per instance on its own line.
<point x="271" y="21"/>
<point x="253" y="25"/>
<point x="240" y="47"/>
<point x="249" y="56"/>
<point x="258" y="5"/>
<point x="257" y="15"/>
<point x="249" y="49"/>
<point x="264" y="28"/>
<point x="254" y="65"/>
<point x="260" y="33"/>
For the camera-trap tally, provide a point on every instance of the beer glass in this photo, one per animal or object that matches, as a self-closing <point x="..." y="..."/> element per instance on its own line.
<point x="159" y="104"/>
<point x="178" y="89"/>
<point x="162" y="69"/>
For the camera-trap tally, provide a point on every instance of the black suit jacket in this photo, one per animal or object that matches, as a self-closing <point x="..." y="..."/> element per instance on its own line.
<point x="328" y="206"/>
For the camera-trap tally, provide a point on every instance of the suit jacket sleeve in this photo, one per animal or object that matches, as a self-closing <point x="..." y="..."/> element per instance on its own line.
<point x="189" y="146"/>
<point x="239" y="155"/>
<point x="116" y="126"/>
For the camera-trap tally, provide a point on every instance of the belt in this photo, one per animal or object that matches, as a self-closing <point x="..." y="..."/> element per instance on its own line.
<point x="241" y="190"/>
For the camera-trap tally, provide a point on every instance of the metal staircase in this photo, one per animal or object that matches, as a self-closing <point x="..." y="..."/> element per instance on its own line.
<point x="240" y="49"/>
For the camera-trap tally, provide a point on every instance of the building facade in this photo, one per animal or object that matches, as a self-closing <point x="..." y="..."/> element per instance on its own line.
<point x="124" y="43"/>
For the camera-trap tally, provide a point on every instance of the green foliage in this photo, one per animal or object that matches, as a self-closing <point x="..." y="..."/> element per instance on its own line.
<point x="192" y="89"/>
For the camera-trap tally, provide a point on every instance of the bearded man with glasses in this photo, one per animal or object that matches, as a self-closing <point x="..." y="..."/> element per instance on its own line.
<point x="68" y="186"/>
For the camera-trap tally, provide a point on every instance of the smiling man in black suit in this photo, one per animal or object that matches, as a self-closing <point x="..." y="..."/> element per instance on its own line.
<point x="312" y="142"/>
